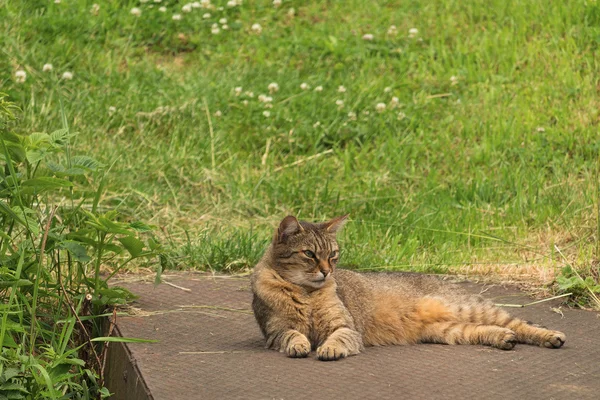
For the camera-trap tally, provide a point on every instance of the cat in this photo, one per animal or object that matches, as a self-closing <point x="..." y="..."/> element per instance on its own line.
<point x="302" y="302"/>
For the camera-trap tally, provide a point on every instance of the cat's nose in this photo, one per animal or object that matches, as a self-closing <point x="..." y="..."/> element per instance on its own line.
<point x="325" y="272"/>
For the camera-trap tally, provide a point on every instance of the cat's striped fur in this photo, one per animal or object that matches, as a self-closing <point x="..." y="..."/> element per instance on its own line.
<point x="302" y="302"/>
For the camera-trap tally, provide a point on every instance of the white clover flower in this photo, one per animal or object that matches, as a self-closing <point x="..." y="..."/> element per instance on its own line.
<point x="540" y="129"/>
<point x="401" y="116"/>
<point x="20" y="76"/>
<point x="225" y="27"/>
<point x="223" y="21"/>
<point x="395" y="101"/>
<point x="143" y="1"/>
<point x="95" y="9"/>
<point x="276" y="3"/>
<point x="265" y="99"/>
<point x="368" y="36"/>
<point x="392" y="30"/>
<point x="304" y="86"/>
<point x="206" y="16"/>
<point x="245" y="102"/>
<point x="205" y="3"/>
<point x="176" y="17"/>
<point x="47" y="67"/>
<point x="112" y="110"/>
<point x="273" y="87"/>
<point x="162" y="9"/>
<point x="317" y="124"/>
<point x="412" y="32"/>
<point x="453" y="80"/>
<point x="380" y="107"/>
<point x="352" y="116"/>
<point x="319" y="89"/>
<point x="366" y="112"/>
<point x="67" y="75"/>
<point x="158" y="1"/>
<point x="249" y="94"/>
<point x="56" y="1"/>
<point x="218" y="113"/>
<point x="291" y="12"/>
<point x="196" y="4"/>
<point x="136" y="11"/>
<point x="268" y="105"/>
<point x="387" y="89"/>
<point x="339" y="103"/>
<point x="220" y="9"/>
<point x="238" y="90"/>
<point x="341" y="89"/>
<point x="215" y="30"/>
<point x="231" y="3"/>
<point x="187" y="8"/>
<point x="256" y="28"/>
<point x="267" y="113"/>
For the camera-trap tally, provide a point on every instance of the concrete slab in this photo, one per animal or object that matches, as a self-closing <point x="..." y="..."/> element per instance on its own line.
<point x="211" y="348"/>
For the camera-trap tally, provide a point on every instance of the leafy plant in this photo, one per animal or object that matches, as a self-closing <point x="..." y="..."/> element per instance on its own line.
<point x="583" y="289"/>
<point x="57" y="254"/>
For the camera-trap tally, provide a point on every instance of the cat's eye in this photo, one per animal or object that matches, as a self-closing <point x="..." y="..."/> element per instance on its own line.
<point x="309" y="254"/>
<point x="333" y="254"/>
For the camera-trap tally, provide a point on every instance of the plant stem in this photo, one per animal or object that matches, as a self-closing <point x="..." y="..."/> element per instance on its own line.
<point x="101" y="237"/>
<point x="37" y="280"/>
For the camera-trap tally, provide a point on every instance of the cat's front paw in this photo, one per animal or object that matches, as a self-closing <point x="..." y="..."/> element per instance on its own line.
<point x="331" y="352"/>
<point x="298" y="347"/>
<point x="553" y="339"/>
<point x="507" y="340"/>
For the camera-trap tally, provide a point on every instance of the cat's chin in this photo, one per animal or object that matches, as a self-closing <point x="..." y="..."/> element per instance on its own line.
<point x="305" y="281"/>
<point x="316" y="284"/>
<point x="311" y="284"/>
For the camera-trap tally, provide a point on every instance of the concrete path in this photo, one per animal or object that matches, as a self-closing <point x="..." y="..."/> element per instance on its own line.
<point x="211" y="348"/>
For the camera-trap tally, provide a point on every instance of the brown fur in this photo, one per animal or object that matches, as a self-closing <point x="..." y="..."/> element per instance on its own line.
<point x="302" y="303"/>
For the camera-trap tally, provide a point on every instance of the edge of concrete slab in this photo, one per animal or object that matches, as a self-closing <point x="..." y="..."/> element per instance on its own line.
<point x="122" y="375"/>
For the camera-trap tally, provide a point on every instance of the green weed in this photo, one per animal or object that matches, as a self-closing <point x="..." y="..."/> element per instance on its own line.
<point x="53" y="245"/>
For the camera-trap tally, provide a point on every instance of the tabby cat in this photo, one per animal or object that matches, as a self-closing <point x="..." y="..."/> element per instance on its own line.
<point x="302" y="302"/>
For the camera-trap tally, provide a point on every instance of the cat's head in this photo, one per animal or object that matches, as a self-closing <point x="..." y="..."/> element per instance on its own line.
<point x="306" y="254"/>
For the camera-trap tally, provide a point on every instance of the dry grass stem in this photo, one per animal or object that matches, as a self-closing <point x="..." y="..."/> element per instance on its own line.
<point x="303" y="160"/>
<point x="436" y="96"/>
<point x="176" y="286"/>
<point x="216" y="352"/>
<point x="212" y="134"/>
<point x="263" y="160"/>
<point x="240" y="310"/>
<point x="534" y="302"/>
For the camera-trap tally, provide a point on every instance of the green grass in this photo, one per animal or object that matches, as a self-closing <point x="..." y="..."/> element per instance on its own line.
<point x="484" y="172"/>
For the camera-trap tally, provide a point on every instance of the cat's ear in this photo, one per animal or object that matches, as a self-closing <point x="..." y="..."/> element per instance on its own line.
<point x="336" y="224"/>
<point x="289" y="226"/>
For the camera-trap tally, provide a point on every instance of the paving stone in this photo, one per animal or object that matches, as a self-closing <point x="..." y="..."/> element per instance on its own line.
<point x="209" y="347"/>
